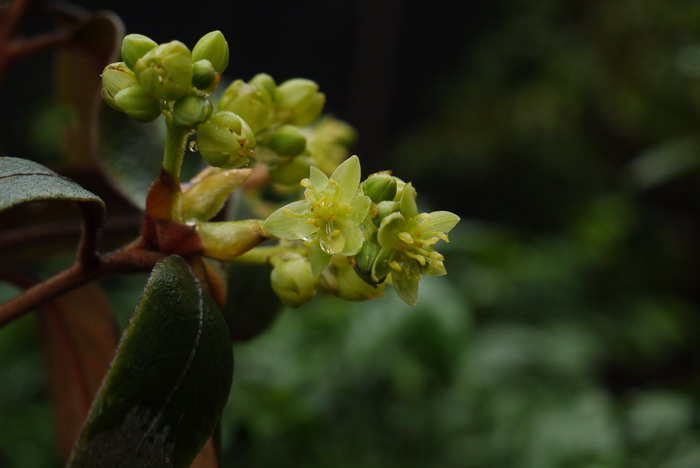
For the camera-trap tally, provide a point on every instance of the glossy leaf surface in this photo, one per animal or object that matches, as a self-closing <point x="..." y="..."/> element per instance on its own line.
<point x="168" y="383"/>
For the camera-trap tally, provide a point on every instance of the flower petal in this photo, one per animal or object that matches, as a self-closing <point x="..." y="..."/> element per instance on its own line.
<point x="389" y="230"/>
<point x="359" y="208"/>
<point x="317" y="178"/>
<point x="407" y="204"/>
<point x="318" y="258"/>
<point x="381" y="267"/>
<point x="289" y="222"/>
<point x="348" y="177"/>
<point x="406" y="288"/>
<point x="354" y="238"/>
<point x="437" y="221"/>
<point x="331" y="239"/>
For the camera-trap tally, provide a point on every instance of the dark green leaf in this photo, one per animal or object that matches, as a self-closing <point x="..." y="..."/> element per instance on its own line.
<point x="23" y="181"/>
<point x="169" y="381"/>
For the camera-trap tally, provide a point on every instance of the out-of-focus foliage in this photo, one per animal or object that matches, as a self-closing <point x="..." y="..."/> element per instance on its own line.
<point x="565" y="334"/>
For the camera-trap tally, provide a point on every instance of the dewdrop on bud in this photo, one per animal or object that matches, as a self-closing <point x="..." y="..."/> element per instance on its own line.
<point x="165" y="72"/>
<point x="134" y="47"/>
<point x="137" y="104"/>
<point x="115" y="78"/>
<point x="191" y="110"/>
<point x="293" y="282"/>
<point x="212" y="47"/>
<point x="287" y="140"/>
<point x="299" y="101"/>
<point x="225" y="140"/>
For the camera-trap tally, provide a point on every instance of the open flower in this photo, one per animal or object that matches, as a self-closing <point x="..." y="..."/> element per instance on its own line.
<point x="407" y="240"/>
<point x="328" y="218"/>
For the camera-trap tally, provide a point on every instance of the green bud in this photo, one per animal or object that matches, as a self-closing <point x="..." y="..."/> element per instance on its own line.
<point x="291" y="172"/>
<point x="191" y="110"/>
<point x="293" y="282"/>
<point x="287" y="140"/>
<point x="252" y="102"/>
<point x="380" y="187"/>
<point x="137" y="104"/>
<point x="299" y="101"/>
<point x="165" y="72"/>
<point x="134" y="47"/>
<point x="226" y="240"/>
<point x="352" y="288"/>
<point x="116" y="77"/>
<point x="203" y="74"/>
<point x="365" y="258"/>
<point x="212" y="47"/>
<point x="384" y="209"/>
<point x="225" y="140"/>
<point x="266" y="82"/>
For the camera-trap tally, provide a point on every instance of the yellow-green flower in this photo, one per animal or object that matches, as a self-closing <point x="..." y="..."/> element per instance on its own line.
<point x="407" y="240"/>
<point x="328" y="218"/>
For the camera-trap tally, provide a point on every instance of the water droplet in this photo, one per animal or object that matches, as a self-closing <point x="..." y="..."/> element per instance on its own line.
<point x="193" y="146"/>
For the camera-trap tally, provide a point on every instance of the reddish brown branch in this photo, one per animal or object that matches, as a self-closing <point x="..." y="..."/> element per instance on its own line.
<point x="133" y="257"/>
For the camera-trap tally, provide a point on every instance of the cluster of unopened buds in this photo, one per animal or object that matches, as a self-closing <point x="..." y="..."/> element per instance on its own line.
<point x="345" y="235"/>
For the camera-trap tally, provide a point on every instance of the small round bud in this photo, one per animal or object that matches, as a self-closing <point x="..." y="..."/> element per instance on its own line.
<point x="299" y="101"/>
<point x="365" y="258"/>
<point x="134" y="47"/>
<point x="116" y="77"/>
<point x="384" y="209"/>
<point x="287" y="140"/>
<point x="137" y="104"/>
<point x="251" y="102"/>
<point x="380" y="187"/>
<point x="291" y="172"/>
<point x="293" y="282"/>
<point x="212" y="47"/>
<point x="203" y="74"/>
<point x="165" y="72"/>
<point x="225" y="140"/>
<point x="266" y="82"/>
<point x="191" y="110"/>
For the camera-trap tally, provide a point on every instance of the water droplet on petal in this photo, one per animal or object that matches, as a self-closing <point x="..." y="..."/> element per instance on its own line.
<point x="193" y="146"/>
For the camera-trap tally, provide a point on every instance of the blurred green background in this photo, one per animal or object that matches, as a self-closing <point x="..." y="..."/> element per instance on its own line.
<point x="566" y="136"/>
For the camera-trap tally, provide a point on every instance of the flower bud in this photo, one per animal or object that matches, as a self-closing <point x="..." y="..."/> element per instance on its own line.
<point x="225" y="140"/>
<point x="293" y="282"/>
<point x="191" y="110"/>
<point x="365" y="258"/>
<point x="137" y="104"/>
<point x="229" y="239"/>
<point x="252" y="102"/>
<point x="207" y="196"/>
<point x="299" y="102"/>
<point x="287" y="140"/>
<point x="134" y="47"/>
<point x="212" y="47"/>
<point x="266" y="82"/>
<point x="116" y="77"/>
<point x="165" y="72"/>
<point x="384" y="209"/>
<point x="291" y="172"/>
<point x="380" y="187"/>
<point x="203" y="74"/>
<point x="352" y="288"/>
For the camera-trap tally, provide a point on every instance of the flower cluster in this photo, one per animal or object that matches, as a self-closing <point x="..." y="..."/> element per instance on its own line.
<point x="346" y="236"/>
